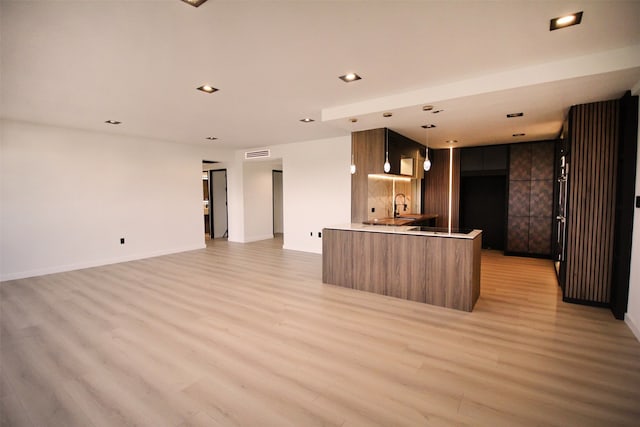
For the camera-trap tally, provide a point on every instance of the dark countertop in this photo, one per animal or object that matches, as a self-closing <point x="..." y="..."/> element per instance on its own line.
<point x="404" y="219"/>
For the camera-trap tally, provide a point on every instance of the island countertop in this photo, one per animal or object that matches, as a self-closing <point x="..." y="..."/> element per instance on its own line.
<point x="438" y="268"/>
<point x="404" y="229"/>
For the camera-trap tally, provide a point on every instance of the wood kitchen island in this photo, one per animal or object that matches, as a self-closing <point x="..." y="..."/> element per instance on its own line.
<point x="432" y="267"/>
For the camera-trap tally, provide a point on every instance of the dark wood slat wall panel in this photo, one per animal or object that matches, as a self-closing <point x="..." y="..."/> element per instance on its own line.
<point x="436" y="188"/>
<point x="592" y="194"/>
<point x="367" y="148"/>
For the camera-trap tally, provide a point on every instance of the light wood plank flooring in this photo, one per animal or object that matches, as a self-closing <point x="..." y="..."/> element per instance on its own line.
<point x="248" y="335"/>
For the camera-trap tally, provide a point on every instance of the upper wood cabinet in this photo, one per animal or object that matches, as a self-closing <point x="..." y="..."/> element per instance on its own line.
<point x="404" y="151"/>
<point x="368" y="149"/>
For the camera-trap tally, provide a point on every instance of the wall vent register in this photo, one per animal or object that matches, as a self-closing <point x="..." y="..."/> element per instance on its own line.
<point x="257" y="154"/>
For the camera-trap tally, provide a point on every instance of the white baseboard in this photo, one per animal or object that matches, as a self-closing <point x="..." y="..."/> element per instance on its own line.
<point x="95" y="263"/>
<point x="302" y="249"/>
<point x="257" y="238"/>
<point x="632" y="325"/>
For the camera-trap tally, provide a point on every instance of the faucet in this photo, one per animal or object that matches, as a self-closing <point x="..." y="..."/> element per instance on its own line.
<point x="395" y="204"/>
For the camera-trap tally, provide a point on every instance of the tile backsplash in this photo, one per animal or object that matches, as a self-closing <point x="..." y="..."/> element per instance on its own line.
<point x="380" y="197"/>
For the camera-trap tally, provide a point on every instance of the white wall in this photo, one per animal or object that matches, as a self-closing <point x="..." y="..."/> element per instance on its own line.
<point x="316" y="192"/>
<point x="632" y="317"/>
<point x="258" y="199"/>
<point x="68" y="196"/>
<point x="317" y="189"/>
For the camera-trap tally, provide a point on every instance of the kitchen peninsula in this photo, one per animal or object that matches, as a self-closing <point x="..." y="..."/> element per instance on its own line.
<point x="391" y="247"/>
<point x="409" y="262"/>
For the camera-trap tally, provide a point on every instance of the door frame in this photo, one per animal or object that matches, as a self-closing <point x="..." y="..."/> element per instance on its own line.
<point x="226" y="203"/>
<point x="273" y="199"/>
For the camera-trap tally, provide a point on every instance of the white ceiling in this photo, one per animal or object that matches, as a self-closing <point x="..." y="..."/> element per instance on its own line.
<point x="79" y="63"/>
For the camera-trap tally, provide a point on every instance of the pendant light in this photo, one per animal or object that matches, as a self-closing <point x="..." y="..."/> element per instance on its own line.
<point x="427" y="162"/>
<point x="387" y="165"/>
<point x="352" y="168"/>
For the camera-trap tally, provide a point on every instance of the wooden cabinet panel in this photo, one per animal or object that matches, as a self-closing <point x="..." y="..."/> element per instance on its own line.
<point x="437" y="270"/>
<point x="406" y="279"/>
<point x="367" y="148"/>
<point x="370" y="257"/>
<point x="436" y="187"/>
<point x="338" y="266"/>
<point x="530" y="198"/>
<point x="482" y="160"/>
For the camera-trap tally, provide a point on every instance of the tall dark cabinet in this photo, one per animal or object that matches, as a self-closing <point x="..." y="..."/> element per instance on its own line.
<point x="530" y="206"/>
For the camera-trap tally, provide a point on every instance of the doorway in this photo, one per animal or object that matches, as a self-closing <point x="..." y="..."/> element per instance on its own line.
<point x="483" y="207"/>
<point x="218" y="219"/>
<point x="278" y="204"/>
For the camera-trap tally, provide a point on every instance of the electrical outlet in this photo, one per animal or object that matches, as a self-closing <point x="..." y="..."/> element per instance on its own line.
<point x="319" y="233"/>
<point x="122" y="240"/>
<point x="373" y="210"/>
<point x="311" y="234"/>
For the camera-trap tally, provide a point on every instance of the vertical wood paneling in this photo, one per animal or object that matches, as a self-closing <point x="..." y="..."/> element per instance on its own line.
<point x="592" y="196"/>
<point x="367" y="148"/>
<point x="436" y="188"/>
<point x="437" y="270"/>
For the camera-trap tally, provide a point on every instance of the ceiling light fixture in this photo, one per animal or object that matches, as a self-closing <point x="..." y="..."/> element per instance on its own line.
<point x="352" y="167"/>
<point x="350" y="77"/>
<point x="427" y="163"/>
<point x="512" y="115"/>
<point x="207" y="89"/>
<point x="452" y="141"/>
<point x="387" y="114"/>
<point x="436" y="111"/>
<point x="427" y="108"/>
<point x="194" y="3"/>
<point x="565" y="21"/>
<point x="519" y="134"/>
<point x="112" y="122"/>
<point x="387" y="165"/>
<point x="211" y="138"/>
<point x="307" y="120"/>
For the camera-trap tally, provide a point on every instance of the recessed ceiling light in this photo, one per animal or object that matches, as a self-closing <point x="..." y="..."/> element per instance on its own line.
<point x="519" y="134"/>
<point x="512" y="115"/>
<point x="387" y="114"/>
<point x="207" y="88"/>
<point x="427" y="108"/>
<point x="565" y="21"/>
<point x="112" y="122"/>
<point x="353" y="120"/>
<point x="195" y="3"/>
<point x="428" y="126"/>
<point x="436" y="111"/>
<point x="350" y="77"/>
<point x="307" y="120"/>
<point x="211" y="138"/>
<point x="452" y="141"/>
